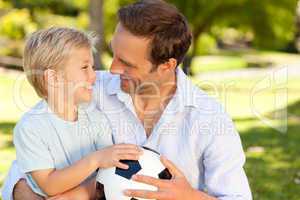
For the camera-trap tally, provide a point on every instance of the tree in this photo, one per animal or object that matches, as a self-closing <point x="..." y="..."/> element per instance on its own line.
<point x="297" y="34"/>
<point x="270" y="21"/>
<point x="96" y="25"/>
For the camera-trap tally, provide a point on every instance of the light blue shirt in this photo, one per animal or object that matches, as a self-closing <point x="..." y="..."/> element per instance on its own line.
<point x="45" y="141"/>
<point x="194" y="132"/>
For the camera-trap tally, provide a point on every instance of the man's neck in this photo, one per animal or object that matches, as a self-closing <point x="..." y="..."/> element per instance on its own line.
<point x="149" y="108"/>
<point x="161" y="96"/>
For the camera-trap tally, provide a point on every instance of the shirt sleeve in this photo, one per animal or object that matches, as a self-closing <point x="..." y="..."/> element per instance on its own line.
<point x="104" y="138"/>
<point x="31" y="150"/>
<point x="101" y="128"/>
<point x="13" y="176"/>
<point x="223" y="162"/>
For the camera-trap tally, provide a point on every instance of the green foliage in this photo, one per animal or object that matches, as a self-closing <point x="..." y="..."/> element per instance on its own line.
<point x="270" y="21"/>
<point x="206" y="44"/>
<point x="110" y="9"/>
<point x="17" y="24"/>
<point x="46" y="19"/>
<point x="4" y="4"/>
<point x="62" y="7"/>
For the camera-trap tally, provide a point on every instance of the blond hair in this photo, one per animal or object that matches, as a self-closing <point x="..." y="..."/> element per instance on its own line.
<point x="50" y="48"/>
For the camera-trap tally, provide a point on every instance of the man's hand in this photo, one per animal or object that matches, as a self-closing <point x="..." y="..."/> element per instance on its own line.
<point x="177" y="188"/>
<point x="22" y="191"/>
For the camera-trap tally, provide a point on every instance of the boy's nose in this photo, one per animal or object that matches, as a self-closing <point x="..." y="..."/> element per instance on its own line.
<point x="92" y="76"/>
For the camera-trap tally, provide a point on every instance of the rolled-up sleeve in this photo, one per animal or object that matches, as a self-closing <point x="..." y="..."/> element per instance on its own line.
<point x="32" y="153"/>
<point x="224" y="159"/>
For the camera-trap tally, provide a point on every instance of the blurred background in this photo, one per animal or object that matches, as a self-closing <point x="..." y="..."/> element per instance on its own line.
<point x="245" y="53"/>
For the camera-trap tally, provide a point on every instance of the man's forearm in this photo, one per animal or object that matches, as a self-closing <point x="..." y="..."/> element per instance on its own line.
<point x="22" y="191"/>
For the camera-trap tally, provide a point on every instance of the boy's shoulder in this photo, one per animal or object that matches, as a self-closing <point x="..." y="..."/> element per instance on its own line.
<point x="35" y="117"/>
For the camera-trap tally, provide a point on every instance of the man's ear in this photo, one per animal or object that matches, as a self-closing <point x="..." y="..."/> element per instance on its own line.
<point x="168" y="66"/>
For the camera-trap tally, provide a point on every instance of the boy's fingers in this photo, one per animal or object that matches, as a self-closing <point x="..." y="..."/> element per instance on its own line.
<point x="129" y="151"/>
<point x="128" y="146"/>
<point x="129" y="157"/>
<point x="122" y="165"/>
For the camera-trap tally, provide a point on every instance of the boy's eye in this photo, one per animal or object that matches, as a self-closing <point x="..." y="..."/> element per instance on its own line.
<point x="85" y="67"/>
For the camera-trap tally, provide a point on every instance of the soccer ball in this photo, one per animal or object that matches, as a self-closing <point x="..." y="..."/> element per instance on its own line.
<point x="113" y="181"/>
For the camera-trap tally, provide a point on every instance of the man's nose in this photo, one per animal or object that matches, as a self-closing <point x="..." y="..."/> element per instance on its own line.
<point x="116" y="67"/>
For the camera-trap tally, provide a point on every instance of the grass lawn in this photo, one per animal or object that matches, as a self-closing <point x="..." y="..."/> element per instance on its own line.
<point x="273" y="162"/>
<point x="232" y="60"/>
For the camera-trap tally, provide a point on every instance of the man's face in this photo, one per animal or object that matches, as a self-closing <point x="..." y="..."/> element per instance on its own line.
<point x="130" y="61"/>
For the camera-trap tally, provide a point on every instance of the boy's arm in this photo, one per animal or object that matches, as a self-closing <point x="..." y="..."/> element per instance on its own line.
<point x="54" y="182"/>
<point x="84" y="191"/>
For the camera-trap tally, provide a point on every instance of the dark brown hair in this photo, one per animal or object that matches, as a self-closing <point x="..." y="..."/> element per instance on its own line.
<point x="163" y="23"/>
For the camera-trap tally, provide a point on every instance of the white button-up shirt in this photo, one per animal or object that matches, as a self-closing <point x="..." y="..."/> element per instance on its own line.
<point x="194" y="132"/>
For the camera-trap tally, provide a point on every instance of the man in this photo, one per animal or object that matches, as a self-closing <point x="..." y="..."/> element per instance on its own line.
<point x="149" y="101"/>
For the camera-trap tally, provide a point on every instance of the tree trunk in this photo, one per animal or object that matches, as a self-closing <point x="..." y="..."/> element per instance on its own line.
<point x="297" y="34"/>
<point x="96" y="25"/>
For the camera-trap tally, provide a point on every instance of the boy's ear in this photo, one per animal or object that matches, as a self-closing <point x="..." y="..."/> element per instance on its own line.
<point x="50" y="76"/>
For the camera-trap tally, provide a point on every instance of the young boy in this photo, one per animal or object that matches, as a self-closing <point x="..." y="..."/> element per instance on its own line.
<point x="62" y="141"/>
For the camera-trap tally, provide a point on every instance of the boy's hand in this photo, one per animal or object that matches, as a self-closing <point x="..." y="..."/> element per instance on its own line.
<point x="111" y="156"/>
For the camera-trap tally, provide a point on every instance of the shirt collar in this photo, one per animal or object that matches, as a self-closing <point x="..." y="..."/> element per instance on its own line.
<point x="113" y="86"/>
<point x="186" y="93"/>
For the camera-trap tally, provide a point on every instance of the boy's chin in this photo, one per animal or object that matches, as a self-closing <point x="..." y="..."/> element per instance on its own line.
<point x="84" y="99"/>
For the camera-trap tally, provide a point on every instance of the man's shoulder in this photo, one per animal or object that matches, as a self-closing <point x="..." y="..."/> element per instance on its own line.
<point x="202" y="101"/>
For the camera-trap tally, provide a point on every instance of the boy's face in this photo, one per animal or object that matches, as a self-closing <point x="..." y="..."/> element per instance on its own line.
<point x="79" y="75"/>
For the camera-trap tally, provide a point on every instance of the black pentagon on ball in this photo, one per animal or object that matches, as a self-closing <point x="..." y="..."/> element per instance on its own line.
<point x="134" y="167"/>
<point x="165" y="174"/>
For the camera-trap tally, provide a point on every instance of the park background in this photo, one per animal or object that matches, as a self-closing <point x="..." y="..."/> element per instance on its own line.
<point x="244" y="53"/>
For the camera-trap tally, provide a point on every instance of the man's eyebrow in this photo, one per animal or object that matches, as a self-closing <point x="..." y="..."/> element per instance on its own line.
<point x="126" y="62"/>
<point x="121" y="59"/>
